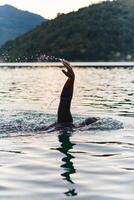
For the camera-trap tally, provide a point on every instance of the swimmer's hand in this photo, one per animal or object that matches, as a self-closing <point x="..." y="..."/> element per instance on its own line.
<point x="69" y="73"/>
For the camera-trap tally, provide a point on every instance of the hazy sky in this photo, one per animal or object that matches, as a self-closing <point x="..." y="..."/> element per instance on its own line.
<point x="49" y="8"/>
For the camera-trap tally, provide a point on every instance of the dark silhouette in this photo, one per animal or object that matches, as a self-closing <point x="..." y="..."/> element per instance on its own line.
<point x="64" y="116"/>
<point x="69" y="169"/>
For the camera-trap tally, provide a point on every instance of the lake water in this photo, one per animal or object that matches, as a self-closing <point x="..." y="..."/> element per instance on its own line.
<point x="88" y="164"/>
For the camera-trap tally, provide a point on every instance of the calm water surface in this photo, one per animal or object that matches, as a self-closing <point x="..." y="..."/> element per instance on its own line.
<point x="89" y="164"/>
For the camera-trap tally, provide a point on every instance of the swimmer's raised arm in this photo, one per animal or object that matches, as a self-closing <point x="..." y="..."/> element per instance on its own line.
<point x="69" y="73"/>
<point x="64" y="114"/>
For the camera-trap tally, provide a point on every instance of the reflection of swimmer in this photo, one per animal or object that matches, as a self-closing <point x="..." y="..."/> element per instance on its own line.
<point x="66" y="145"/>
<point x="64" y="117"/>
<point x="68" y="166"/>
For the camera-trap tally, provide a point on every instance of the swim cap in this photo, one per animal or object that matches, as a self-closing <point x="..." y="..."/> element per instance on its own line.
<point x="90" y="120"/>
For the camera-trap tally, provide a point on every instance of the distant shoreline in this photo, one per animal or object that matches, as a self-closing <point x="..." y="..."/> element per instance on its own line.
<point x="75" y="64"/>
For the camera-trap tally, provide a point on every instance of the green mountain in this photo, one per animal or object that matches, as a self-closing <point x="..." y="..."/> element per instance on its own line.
<point x="14" y="22"/>
<point x="100" y="32"/>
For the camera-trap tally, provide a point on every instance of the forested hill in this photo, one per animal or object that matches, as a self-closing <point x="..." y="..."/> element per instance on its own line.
<point x="14" y="22"/>
<point x="101" y="32"/>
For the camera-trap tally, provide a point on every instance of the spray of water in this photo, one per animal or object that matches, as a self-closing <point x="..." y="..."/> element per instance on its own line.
<point x="4" y="57"/>
<point x="47" y="58"/>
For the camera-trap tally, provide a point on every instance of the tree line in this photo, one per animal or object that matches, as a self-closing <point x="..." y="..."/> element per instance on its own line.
<point x="100" y="32"/>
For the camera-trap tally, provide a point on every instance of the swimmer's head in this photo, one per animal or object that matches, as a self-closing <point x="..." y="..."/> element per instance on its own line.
<point x="90" y="120"/>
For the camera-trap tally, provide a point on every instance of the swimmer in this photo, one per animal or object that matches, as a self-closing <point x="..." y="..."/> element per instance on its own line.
<point x="64" y="113"/>
<point x="64" y="116"/>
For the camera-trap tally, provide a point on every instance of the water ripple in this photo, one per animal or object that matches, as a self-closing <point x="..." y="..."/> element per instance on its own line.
<point x="84" y="164"/>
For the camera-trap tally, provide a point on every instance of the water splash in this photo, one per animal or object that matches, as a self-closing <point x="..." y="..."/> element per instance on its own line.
<point x="25" y="122"/>
<point x="4" y="57"/>
<point x="22" y="122"/>
<point x="104" y="124"/>
<point x="44" y="57"/>
<point x="37" y="57"/>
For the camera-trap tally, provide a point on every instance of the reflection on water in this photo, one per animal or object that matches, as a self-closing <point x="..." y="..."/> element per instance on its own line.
<point x="68" y="166"/>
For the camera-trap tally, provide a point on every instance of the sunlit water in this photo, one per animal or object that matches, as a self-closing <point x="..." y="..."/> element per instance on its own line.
<point x="95" y="164"/>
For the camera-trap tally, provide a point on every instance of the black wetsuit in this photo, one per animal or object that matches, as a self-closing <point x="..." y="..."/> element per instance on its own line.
<point x="64" y="117"/>
<point x="64" y="114"/>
